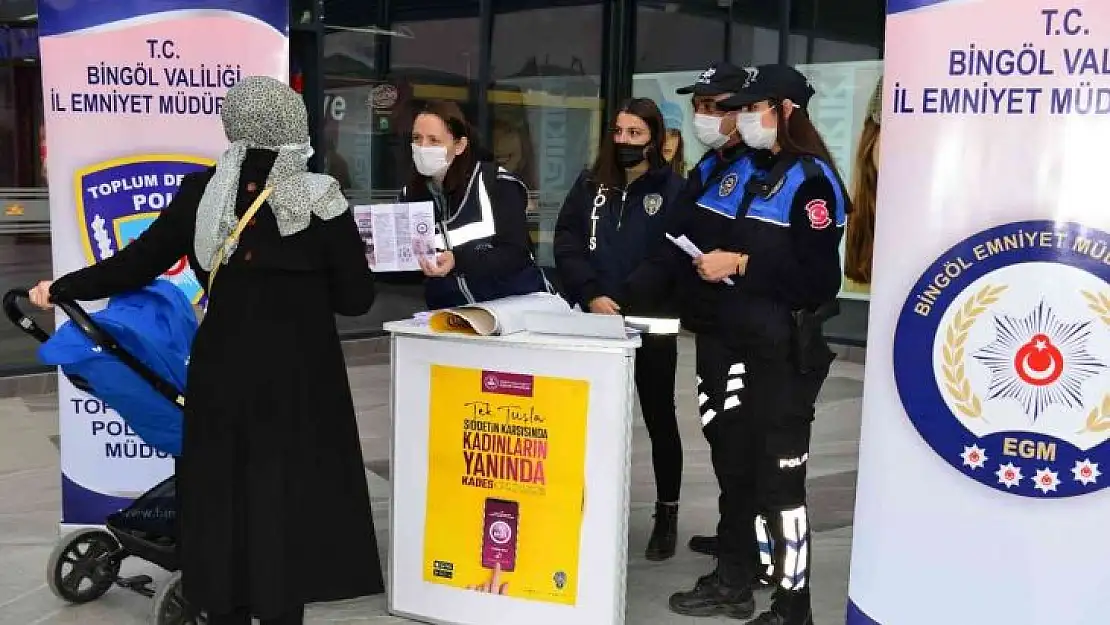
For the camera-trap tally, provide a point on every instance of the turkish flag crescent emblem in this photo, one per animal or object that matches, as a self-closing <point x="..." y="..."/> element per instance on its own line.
<point x="818" y="213"/>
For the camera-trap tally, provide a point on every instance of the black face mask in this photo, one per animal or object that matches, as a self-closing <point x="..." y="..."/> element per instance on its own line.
<point x="629" y="156"/>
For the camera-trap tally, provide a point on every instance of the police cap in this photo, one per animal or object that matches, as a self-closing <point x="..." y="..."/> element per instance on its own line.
<point x="770" y="82"/>
<point x="719" y="78"/>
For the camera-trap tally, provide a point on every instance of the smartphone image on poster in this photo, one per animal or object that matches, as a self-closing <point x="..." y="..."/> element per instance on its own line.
<point x="499" y="534"/>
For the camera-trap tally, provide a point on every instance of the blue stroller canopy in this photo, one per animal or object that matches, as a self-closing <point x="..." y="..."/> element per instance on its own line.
<point x="156" y="326"/>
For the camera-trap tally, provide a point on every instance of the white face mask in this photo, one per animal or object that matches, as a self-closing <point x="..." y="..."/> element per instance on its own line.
<point x="707" y="128"/>
<point x="753" y="132"/>
<point x="430" y="160"/>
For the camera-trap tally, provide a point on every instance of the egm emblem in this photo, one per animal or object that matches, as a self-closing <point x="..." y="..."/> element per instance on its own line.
<point x="652" y="204"/>
<point x="728" y="185"/>
<point x="1005" y="379"/>
<point x="117" y="201"/>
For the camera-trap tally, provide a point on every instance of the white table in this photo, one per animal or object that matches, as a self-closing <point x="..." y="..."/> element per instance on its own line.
<point x="492" y="436"/>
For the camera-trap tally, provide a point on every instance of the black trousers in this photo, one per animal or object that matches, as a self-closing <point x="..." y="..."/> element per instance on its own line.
<point x="243" y="617"/>
<point x="757" y="415"/>
<point x="656" y="363"/>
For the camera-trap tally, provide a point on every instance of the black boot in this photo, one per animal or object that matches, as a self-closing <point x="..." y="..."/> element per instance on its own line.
<point x="787" y="608"/>
<point x="707" y="545"/>
<point x="664" y="535"/>
<point x="715" y="595"/>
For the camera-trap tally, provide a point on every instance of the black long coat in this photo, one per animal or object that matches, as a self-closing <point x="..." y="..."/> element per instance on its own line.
<point x="273" y="498"/>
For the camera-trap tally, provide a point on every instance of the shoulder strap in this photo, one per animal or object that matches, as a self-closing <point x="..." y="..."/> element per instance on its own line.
<point x="812" y="168"/>
<point x="765" y="186"/>
<point x="234" y="236"/>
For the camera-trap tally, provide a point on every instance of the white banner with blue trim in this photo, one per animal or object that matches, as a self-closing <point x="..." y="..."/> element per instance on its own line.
<point x="984" y="451"/>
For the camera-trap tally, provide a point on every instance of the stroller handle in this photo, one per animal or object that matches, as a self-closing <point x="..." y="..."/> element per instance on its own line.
<point x="72" y="309"/>
<point x="95" y="333"/>
<point x="16" y="315"/>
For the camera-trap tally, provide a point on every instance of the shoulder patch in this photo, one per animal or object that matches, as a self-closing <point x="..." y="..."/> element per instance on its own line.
<point x="818" y="213"/>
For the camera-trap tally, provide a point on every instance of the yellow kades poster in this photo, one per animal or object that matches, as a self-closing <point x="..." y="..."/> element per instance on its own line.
<point x="506" y="483"/>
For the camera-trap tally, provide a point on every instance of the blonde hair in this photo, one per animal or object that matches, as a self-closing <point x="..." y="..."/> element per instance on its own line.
<point x="860" y="238"/>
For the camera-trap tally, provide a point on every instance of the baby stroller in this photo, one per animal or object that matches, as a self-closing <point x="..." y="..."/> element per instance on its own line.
<point x="135" y="381"/>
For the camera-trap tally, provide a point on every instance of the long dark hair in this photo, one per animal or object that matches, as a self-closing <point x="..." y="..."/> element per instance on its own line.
<point x="797" y="135"/>
<point x="607" y="170"/>
<point x="458" y="174"/>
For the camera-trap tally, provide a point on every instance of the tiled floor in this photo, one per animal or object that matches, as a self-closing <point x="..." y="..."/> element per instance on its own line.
<point x="29" y="509"/>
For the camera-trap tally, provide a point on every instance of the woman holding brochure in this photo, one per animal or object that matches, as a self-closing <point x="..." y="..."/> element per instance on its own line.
<point x="483" y="251"/>
<point x="611" y="221"/>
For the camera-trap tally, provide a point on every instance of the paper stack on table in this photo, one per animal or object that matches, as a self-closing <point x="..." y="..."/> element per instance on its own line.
<point x="496" y="317"/>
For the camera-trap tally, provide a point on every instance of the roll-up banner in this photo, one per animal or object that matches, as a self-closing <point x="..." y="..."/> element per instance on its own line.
<point x="986" y="411"/>
<point x="132" y="91"/>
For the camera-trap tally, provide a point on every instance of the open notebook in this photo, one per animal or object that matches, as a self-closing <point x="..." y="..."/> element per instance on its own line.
<point x="497" y="317"/>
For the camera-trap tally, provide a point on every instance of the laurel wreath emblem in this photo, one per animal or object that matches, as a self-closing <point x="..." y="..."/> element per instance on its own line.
<point x="955" y="340"/>
<point x="1099" y="304"/>
<point x="1099" y="418"/>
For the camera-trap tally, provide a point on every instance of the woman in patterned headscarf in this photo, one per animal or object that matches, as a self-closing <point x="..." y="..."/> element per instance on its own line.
<point x="859" y="240"/>
<point x="272" y="491"/>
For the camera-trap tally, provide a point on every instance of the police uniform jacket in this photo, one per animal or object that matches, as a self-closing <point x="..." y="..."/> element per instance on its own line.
<point x="603" y="234"/>
<point x="484" y="224"/>
<point x="787" y="213"/>
<point x="670" y="274"/>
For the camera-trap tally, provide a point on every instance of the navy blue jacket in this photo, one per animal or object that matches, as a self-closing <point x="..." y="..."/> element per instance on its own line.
<point x="494" y="261"/>
<point x="792" y="241"/>
<point x="696" y="300"/>
<point x="630" y="227"/>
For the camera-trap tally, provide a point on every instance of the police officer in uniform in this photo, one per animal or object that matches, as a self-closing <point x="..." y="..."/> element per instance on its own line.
<point x="484" y="248"/>
<point x="774" y="259"/>
<point x="717" y="131"/>
<point x="611" y="221"/>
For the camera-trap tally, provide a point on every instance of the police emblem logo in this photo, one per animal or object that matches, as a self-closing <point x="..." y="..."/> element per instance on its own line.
<point x="1002" y="358"/>
<point x="728" y="185"/>
<point x="117" y="201"/>
<point x="652" y="204"/>
<point x="707" y="75"/>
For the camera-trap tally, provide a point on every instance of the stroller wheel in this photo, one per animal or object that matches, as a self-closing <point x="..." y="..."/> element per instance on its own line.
<point x="170" y="607"/>
<point x="83" y="566"/>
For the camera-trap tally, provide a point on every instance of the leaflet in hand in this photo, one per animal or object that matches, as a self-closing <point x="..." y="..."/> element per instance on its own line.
<point x="397" y="235"/>
<point x="686" y="245"/>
